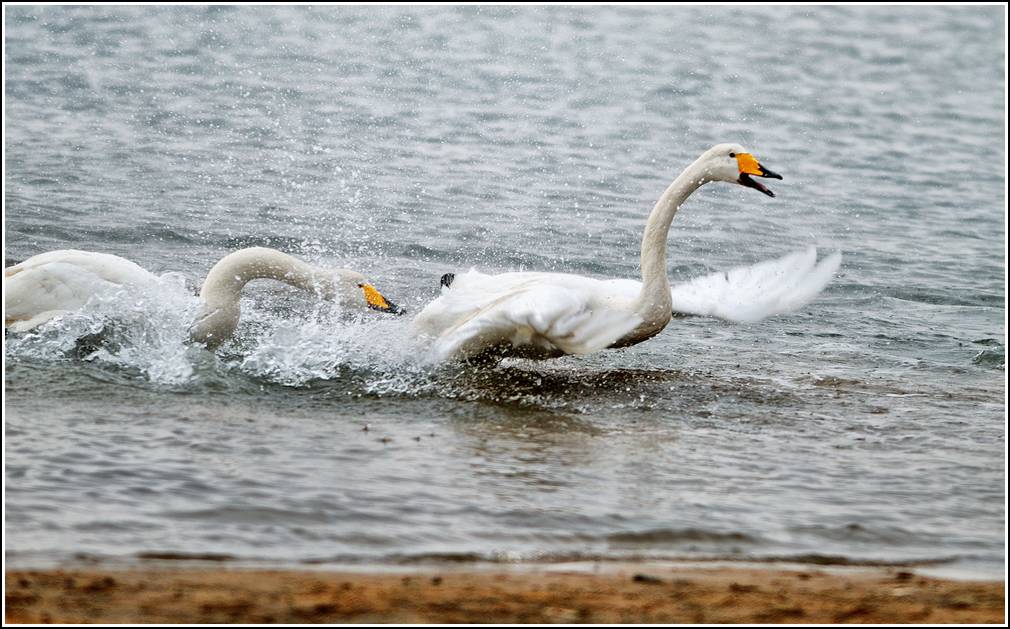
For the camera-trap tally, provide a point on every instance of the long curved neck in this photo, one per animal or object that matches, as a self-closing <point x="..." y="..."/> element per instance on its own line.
<point x="222" y="289"/>
<point x="654" y="303"/>
<point x="225" y="281"/>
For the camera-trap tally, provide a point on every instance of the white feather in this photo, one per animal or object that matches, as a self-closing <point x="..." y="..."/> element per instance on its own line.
<point x="50" y="284"/>
<point x="542" y="315"/>
<point x="750" y="293"/>
<point x="53" y="283"/>
<point x="536" y="315"/>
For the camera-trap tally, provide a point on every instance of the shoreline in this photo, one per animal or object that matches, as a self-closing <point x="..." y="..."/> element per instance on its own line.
<point x="629" y="592"/>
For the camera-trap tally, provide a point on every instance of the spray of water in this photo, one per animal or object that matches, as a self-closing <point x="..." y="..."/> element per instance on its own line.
<point x="325" y="343"/>
<point x="289" y="339"/>
<point x="145" y="331"/>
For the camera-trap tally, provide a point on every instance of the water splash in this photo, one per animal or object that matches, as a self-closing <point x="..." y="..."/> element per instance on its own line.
<point x="327" y="343"/>
<point x="143" y="329"/>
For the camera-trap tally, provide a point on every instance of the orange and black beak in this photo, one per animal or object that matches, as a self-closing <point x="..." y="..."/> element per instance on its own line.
<point x="749" y="166"/>
<point x="377" y="302"/>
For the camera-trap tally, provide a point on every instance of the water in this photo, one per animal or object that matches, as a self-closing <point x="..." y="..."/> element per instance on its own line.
<point x="411" y="142"/>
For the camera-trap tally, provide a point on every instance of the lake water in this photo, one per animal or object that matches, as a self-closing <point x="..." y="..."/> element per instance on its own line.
<point x="409" y="142"/>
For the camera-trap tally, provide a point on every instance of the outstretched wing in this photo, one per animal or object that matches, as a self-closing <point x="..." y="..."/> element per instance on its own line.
<point x="522" y="314"/>
<point x="751" y="293"/>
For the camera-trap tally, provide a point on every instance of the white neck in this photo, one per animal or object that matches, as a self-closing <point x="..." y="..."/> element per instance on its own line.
<point x="654" y="303"/>
<point x="223" y="287"/>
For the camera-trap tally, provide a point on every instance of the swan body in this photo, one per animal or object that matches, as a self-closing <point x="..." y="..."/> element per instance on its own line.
<point x="53" y="283"/>
<point x="546" y="315"/>
<point x="50" y="284"/>
<point x="526" y="314"/>
<point x="489" y="323"/>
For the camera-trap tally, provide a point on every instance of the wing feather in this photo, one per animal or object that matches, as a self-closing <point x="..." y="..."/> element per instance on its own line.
<point x="750" y="293"/>
<point x="534" y="315"/>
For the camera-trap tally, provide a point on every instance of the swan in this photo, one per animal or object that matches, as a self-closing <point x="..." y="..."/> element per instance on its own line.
<point x="547" y="315"/>
<point x="50" y="284"/>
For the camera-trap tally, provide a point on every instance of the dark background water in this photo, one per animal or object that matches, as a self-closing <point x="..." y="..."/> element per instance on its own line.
<point x="409" y="142"/>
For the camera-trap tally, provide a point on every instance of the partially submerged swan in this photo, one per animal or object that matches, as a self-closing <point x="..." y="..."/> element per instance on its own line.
<point x="546" y="315"/>
<point x="50" y="284"/>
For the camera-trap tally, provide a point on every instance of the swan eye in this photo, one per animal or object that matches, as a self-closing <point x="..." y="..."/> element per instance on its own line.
<point x="361" y="285"/>
<point x="732" y="154"/>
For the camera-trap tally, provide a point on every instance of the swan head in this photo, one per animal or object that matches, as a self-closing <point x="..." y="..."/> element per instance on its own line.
<point x="357" y="292"/>
<point x="735" y="164"/>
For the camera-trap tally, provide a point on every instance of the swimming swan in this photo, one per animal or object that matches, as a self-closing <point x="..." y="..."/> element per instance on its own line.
<point x="546" y="315"/>
<point x="53" y="283"/>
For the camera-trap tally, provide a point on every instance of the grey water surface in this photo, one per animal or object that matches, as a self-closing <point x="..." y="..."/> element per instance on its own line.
<point x="407" y="142"/>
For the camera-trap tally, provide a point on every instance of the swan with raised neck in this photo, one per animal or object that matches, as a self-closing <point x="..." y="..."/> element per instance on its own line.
<point x="723" y="162"/>
<point x="545" y="315"/>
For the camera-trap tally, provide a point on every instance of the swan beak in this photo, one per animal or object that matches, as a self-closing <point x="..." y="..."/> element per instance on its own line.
<point x="377" y="302"/>
<point x="750" y="166"/>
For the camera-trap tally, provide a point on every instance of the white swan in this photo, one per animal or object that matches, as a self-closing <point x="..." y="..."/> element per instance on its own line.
<point x="53" y="283"/>
<point x="545" y="315"/>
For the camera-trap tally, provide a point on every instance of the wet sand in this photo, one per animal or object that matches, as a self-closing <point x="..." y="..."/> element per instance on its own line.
<point x="628" y="594"/>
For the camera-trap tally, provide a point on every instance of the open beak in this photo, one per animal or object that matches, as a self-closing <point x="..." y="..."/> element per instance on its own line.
<point x="377" y="302"/>
<point x="750" y="168"/>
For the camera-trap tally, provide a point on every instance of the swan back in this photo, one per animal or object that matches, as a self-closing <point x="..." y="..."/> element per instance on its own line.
<point x="52" y="283"/>
<point x="526" y="315"/>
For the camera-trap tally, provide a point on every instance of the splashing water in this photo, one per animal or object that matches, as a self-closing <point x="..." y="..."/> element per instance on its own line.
<point x="870" y="424"/>
<point x="326" y="344"/>
<point x="143" y="330"/>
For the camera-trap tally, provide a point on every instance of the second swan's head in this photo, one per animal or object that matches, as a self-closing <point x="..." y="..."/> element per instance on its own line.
<point x="733" y="163"/>
<point x="357" y="292"/>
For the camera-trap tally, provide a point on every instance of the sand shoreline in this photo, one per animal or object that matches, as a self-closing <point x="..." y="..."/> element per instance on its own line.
<point x="626" y="593"/>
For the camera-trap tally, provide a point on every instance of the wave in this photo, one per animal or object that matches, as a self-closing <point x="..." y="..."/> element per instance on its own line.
<point x="499" y="558"/>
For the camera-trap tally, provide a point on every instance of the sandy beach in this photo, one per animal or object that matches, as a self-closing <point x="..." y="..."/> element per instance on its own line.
<point x="627" y="594"/>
